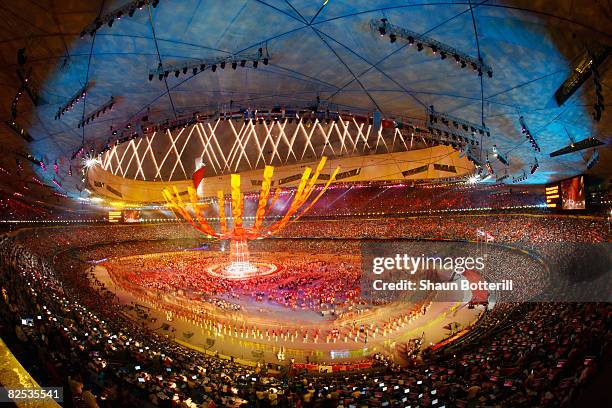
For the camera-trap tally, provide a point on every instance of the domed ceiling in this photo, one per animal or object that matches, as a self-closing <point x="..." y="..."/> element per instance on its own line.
<point x="324" y="53"/>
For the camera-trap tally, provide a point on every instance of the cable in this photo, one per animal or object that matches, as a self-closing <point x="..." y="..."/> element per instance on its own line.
<point x="160" y="60"/>
<point x="481" y="74"/>
<point x="93" y="40"/>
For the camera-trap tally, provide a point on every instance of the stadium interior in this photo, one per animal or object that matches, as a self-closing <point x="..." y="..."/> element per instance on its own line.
<point x="292" y="203"/>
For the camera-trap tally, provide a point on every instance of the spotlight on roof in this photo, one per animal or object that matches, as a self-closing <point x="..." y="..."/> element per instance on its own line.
<point x="131" y="12"/>
<point x="392" y="38"/>
<point x="90" y="162"/>
<point x="222" y="65"/>
<point x="242" y="63"/>
<point x="265" y="61"/>
<point x="202" y="67"/>
<point x="150" y="77"/>
<point x="255" y="64"/>
<point x="214" y="67"/>
<point x="419" y="47"/>
<point x="234" y="65"/>
<point x="490" y="73"/>
<point x="185" y="70"/>
<point x="176" y="73"/>
<point x="194" y="70"/>
<point x="155" y="3"/>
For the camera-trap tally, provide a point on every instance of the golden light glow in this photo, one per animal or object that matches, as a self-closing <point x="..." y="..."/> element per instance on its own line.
<point x="296" y="209"/>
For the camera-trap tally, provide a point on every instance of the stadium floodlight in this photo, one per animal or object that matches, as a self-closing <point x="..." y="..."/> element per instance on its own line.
<point x="91" y="161"/>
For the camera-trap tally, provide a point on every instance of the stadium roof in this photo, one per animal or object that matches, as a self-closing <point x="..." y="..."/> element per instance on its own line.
<point x="320" y="52"/>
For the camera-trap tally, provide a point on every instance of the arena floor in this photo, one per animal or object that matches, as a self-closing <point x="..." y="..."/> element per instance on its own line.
<point x="281" y="316"/>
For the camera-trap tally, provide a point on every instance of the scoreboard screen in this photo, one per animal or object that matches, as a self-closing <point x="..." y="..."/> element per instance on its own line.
<point x="567" y="194"/>
<point x="572" y="193"/>
<point x="118" y="216"/>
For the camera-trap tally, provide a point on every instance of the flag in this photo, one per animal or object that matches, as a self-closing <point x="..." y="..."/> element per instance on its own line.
<point x="197" y="178"/>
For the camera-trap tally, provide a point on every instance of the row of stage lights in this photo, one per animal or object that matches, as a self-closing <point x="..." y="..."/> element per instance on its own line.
<point x="108" y="106"/>
<point x="520" y="178"/>
<point x="25" y="86"/>
<point x="528" y="135"/>
<point x="199" y="66"/>
<point x="384" y="27"/>
<point x="109" y="19"/>
<point x="68" y="106"/>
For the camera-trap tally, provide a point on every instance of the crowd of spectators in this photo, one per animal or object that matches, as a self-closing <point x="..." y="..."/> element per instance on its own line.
<point x="404" y="198"/>
<point x="71" y="334"/>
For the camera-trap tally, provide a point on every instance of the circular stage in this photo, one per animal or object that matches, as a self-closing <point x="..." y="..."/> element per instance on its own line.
<point x="229" y="270"/>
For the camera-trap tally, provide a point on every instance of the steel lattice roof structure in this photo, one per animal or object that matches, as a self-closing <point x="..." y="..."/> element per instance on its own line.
<point x="323" y="53"/>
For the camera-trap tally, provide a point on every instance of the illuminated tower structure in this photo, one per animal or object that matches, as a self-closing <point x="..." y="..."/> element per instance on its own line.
<point x="240" y="265"/>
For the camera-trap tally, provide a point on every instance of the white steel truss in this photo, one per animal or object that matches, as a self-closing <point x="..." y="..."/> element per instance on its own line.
<point x="227" y="146"/>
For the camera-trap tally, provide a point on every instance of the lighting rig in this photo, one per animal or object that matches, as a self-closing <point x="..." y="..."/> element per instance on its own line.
<point x="520" y="178"/>
<point x="577" y="146"/>
<point x="24" y="83"/>
<point x="78" y="152"/>
<point x="502" y="178"/>
<point x="499" y="156"/>
<point x="19" y="131"/>
<point x="599" y="106"/>
<point x="212" y="63"/>
<point x="16" y="101"/>
<point x="535" y="165"/>
<point x="467" y="151"/>
<point x="488" y="166"/>
<point x="108" y="106"/>
<point x="592" y="59"/>
<point x="25" y="77"/>
<point x="80" y="95"/>
<point x="452" y="130"/>
<point x="593" y="160"/>
<point x="528" y="135"/>
<point x="383" y="27"/>
<point x="127" y="9"/>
